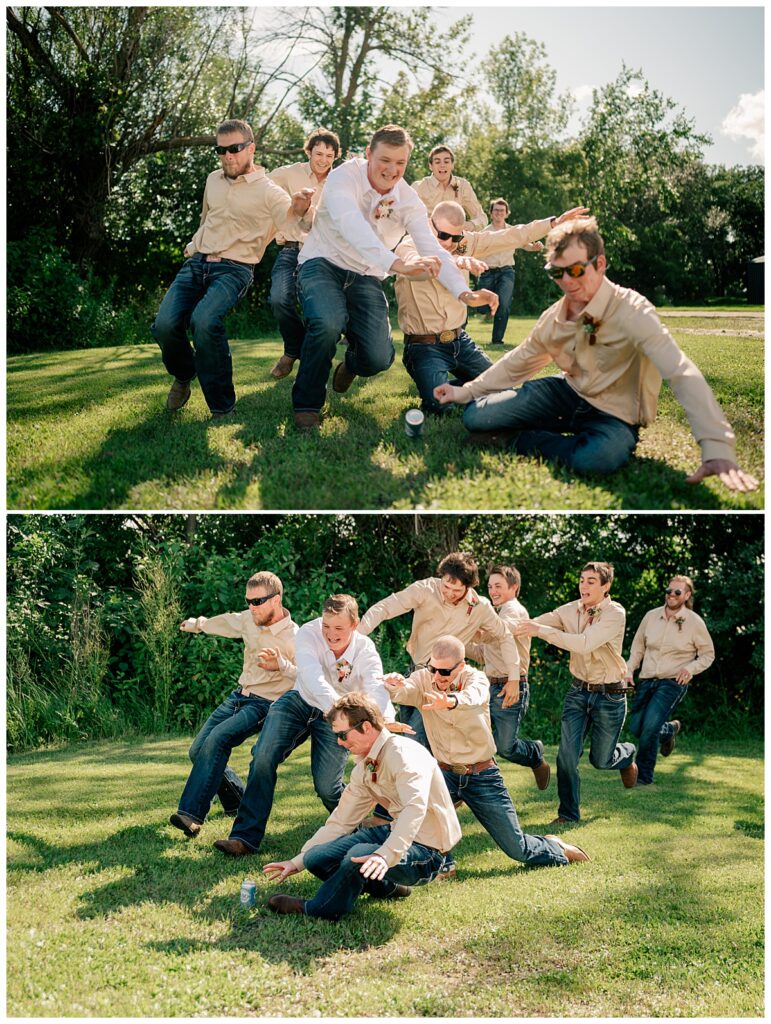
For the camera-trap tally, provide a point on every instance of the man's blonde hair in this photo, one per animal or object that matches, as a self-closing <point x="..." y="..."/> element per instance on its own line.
<point x="582" y="230"/>
<point x="453" y="211"/>
<point x="341" y="604"/>
<point x="266" y="579"/>
<point x="357" y="708"/>
<point x="448" y="646"/>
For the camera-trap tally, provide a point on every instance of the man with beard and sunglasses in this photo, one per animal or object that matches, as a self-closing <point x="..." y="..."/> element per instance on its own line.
<point x="673" y="645"/>
<point x="455" y="700"/>
<point x="613" y="352"/>
<point x="268" y="634"/>
<point x="242" y="210"/>
<point x="436" y="343"/>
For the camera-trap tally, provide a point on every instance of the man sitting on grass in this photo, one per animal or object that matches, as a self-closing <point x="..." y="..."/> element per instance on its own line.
<point x="384" y="861"/>
<point x="613" y="352"/>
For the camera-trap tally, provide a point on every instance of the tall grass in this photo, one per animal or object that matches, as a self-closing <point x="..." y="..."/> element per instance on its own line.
<point x="157" y="626"/>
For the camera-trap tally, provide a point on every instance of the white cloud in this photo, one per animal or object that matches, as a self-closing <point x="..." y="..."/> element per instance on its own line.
<point x="747" y="121"/>
<point x="582" y="94"/>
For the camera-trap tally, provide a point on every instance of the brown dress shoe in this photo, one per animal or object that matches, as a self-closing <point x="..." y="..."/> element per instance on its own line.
<point x="282" y="367"/>
<point x="629" y="775"/>
<point x="178" y="395"/>
<point x="234" y="847"/>
<point x="283" y="904"/>
<point x="307" y="420"/>
<point x="668" y="744"/>
<point x="562" y="821"/>
<point x="187" y="825"/>
<point x="573" y="853"/>
<point x="542" y="771"/>
<point x="342" y="379"/>
<point x="447" y="876"/>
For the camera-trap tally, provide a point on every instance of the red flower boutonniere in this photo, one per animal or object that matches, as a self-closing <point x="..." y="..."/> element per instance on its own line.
<point x="371" y="765"/>
<point x="343" y="670"/>
<point x="591" y="326"/>
<point x="594" y="614"/>
<point x="384" y="208"/>
<point x="455" y="686"/>
<point x="473" y="601"/>
<point x="679" y="622"/>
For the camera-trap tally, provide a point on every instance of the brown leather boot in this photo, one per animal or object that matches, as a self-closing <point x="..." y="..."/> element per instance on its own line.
<point x="282" y="367"/>
<point x="234" y="847"/>
<point x="178" y="395"/>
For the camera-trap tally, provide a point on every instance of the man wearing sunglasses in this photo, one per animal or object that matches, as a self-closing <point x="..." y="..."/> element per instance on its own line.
<point x="673" y="645"/>
<point x="242" y="210"/>
<point x="387" y="860"/>
<point x="613" y="352"/>
<point x="436" y="343"/>
<point x="442" y="184"/>
<point x="455" y="700"/>
<point x="332" y="659"/>
<point x="268" y="634"/>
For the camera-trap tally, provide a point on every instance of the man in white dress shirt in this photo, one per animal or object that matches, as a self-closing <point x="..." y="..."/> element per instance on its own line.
<point x="364" y="213"/>
<point x="332" y="658"/>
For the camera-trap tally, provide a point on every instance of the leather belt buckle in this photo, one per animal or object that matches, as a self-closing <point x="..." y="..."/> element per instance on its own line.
<point x="460" y="769"/>
<point x="446" y="336"/>
<point x="213" y="259"/>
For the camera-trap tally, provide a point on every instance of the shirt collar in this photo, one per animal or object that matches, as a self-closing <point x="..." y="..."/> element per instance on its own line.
<point x="603" y="604"/>
<point x="595" y="308"/>
<point x="378" y="745"/>
<point x="256" y="174"/>
<point x="283" y="623"/>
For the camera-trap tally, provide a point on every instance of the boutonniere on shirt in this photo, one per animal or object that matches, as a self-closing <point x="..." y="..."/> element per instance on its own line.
<point x="371" y="765"/>
<point x="594" y="614"/>
<point x="455" y="187"/>
<point x="384" y="207"/>
<point x="455" y="686"/>
<point x="343" y="670"/>
<point x="591" y="326"/>
<point x="679" y="622"/>
<point x="473" y="601"/>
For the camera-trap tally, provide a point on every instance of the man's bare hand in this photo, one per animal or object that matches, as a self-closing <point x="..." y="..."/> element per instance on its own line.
<point x="510" y="693"/>
<point x="373" y="866"/>
<point x="401" y="728"/>
<point x="267" y="659"/>
<point x="188" y="626"/>
<point x="474" y="266"/>
<point x="419" y="267"/>
<point x="301" y="201"/>
<point x="735" y="479"/>
<point x="533" y="247"/>
<point x="482" y="297"/>
<point x="446" y="393"/>
<point x="393" y="680"/>
<point x="438" y="701"/>
<point x="577" y="211"/>
<point x="279" y="870"/>
<point x="525" y="627"/>
<point x="683" y="677"/>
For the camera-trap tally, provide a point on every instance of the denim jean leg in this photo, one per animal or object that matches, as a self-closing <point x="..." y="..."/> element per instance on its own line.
<point x="286" y="726"/>
<point x="575" y="724"/>
<point x="663" y="697"/>
<point x="608" y="712"/>
<point x="171" y="323"/>
<point x="412" y="716"/>
<point x="490" y="802"/>
<point x="506" y="723"/>
<point x="236" y="719"/>
<point x="548" y="402"/>
<point x="597" y="443"/>
<point x="226" y="283"/>
<point x="470" y="360"/>
<point x="501" y="281"/>
<point x="325" y="311"/>
<point x="429" y="366"/>
<point x="370" y="345"/>
<point x="284" y="303"/>
<point x="328" y="760"/>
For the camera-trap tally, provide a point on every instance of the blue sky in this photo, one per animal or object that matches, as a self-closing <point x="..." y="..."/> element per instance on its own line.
<point x="710" y="60"/>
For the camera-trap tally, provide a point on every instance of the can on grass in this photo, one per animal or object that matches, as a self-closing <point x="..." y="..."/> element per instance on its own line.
<point x="248" y="893"/>
<point x="413" y="423"/>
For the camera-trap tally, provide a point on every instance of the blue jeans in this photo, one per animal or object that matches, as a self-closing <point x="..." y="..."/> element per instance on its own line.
<point x="544" y="411"/>
<point x="343" y="882"/>
<point x="199" y="297"/>
<point x="431" y="365"/>
<point x="506" y="722"/>
<point x="336" y="302"/>
<point x="289" y="722"/>
<point x="491" y="804"/>
<point x="605" y="714"/>
<point x="283" y="300"/>
<point x="653" y="703"/>
<point x="227" y="726"/>
<point x="501" y="281"/>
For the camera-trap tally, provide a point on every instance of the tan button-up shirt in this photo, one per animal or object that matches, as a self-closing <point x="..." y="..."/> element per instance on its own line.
<point x="621" y="373"/>
<point x="505" y="257"/>
<point x="490" y="654"/>
<point x="457" y="190"/>
<point x="434" y="617"/>
<point x="240" y="217"/>
<point x="255" y="681"/>
<point x="666" y="646"/>
<point x="425" y="306"/>
<point x="594" y="642"/>
<point x="292" y="178"/>
<point x="411" y="784"/>
<point x="462" y="735"/>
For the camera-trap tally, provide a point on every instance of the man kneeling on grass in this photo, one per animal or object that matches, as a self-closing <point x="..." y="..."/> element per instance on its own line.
<point x="613" y="352"/>
<point x="384" y="861"/>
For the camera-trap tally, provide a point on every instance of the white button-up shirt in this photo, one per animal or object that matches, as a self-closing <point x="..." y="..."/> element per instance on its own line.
<point x="322" y="677"/>
<point x="357" y="228"/>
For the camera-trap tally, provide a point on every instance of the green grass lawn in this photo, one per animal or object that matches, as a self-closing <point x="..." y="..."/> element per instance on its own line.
<point x="112" y="912"/>
<point x="88" y="430"/>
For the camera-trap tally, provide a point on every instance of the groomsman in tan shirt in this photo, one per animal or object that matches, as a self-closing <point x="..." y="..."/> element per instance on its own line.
<point x="384" y="861"/>
<point x="592" y="629"/>
<point x="455" y="701"/>
<point x="442" y="185"/>
<point x="673" y="645"/>
<point x="323" y="148"/>
<point x="613" y="352"/>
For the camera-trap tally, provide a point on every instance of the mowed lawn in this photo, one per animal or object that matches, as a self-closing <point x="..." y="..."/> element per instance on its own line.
<point x="112" y="912"/>
<point x="88" y="430"/>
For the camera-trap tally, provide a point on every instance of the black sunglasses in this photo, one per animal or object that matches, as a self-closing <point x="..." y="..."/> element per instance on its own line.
<point x="443" y="236"/>
<point x="257" y="601"/>
<point x="235" y="148"/>
<point x="574" y="270"/>
<point x="441" y="671"/>
<point x="671" y="590"/>
<point x="343" y="734"/>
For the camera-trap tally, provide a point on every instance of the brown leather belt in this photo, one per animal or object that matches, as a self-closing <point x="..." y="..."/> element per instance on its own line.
<point x="579" y="684"/>
<point x="443" y="338"/>
<point x="500" y="680"/>
<point x="468" y="769"/>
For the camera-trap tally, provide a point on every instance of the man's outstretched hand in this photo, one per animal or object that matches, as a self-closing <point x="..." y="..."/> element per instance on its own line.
<point x="728" y="472"/>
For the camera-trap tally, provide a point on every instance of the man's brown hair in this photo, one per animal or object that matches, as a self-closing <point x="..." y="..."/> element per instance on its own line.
<point x="509" y="573"/>
<point x="602" y="569"/>
<point x="339" y="604"/>
<point x="453" y="211"/>
<point x="496" y="202"/>
<point x="324" y="135"/>
<point x="440" y="149"/>
<point x="268" y="580"/>
<point x="235" y="125"/>
<point x="461" y="567"/>
<point x="357" y="708"/>
<point x="689" y="583"/>
<point x="582" y="230"/>
<point x="391" y="135"/>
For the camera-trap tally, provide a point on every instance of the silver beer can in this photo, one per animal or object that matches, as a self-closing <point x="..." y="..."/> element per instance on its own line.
<point x="248" y="893"/>
<point x="413" y="423"/>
